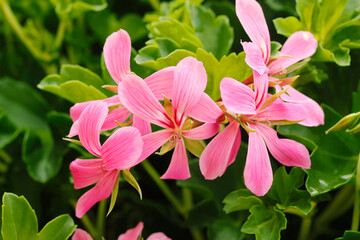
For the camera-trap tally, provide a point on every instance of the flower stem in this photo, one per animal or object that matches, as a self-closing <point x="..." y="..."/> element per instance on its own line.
<point x="355" y="219"/>
<point x="183" y="209"/>
<point x="60" y="33"/>
<point x="100" y="221"/>
<point x="163" y="187"/>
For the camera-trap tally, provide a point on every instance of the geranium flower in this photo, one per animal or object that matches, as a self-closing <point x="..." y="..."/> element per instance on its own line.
<point x="120" y="151"/>
<point x="187" y="99"/>
<point x="117" y="53"/>
<point x="243" y="108"/>
<point x="298" y="46"/>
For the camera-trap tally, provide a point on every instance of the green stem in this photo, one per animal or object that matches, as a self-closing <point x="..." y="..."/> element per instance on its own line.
<point x="100" y="221"/>
<point x="155" y="4"/>
<point x="163" y="187"/>
<point x="183" y="209"/>
<point x="305" y="228"/>
<point x="355" y="219"/>
<point x="90" y="228"/>
<point x="16" y="27"/>
<point x="60" y="33"/>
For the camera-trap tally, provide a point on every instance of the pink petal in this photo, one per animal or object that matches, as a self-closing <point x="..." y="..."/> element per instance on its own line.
<point x="287" y="152"/>
<point x="299" y="45"/>
<point x="136" y="96"/>
<point x="237" y="97"/>
<point x="219" y="152"/>
<point x="80" y="234"/>
<point x="235" y="148"/>
<point x="189" y="84"/>
<point x="280" y="110"/>
<point x="313" y="113"/>
<point x="90" y="123"/>
<point x="261" y="84"/>
<point x="86" y="172"/>
<point x="204" y="131"/>
<point x="119" y="114"/>
<point x="257" y="173"/>
<point x="132" y="234"/>
<point x="206" y="110"/>
<point x="117" y="52"/>
<point x="122" y="149"/>
<point x="254" y="57"/>
<point x="161" y="83"/>
<point x="143" y="126"/>
<point x="179" y="166"/>
<point x="78" y="108"/>
<point x="101" y="191"/>
<point x="153" y="141"/>
<point x="158" y="236"/>
<point x="74" y="130"/>
<point x="253" y="21"/>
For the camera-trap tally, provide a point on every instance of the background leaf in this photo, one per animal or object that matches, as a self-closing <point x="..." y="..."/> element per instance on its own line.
<point x="43" y="160"/>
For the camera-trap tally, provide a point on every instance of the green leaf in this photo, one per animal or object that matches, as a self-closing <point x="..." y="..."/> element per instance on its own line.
<point x="223" y="229"/>
<point x="74" y="8"/>
<point x="334" y="158"/>
<point x="75" y="83"/>
<point x="265" y="223"/>
<point x="181" y="34"/>
<point x="42" y="157"/>
<point x="215" y="33"/>
<point x="282" y="5"/>
<point x="60" y="228"/>
<point x="8" y="131"/>
<point x="233" y="66"/>
<point x="287" y="26"/>
<point x="285" y="190"/>
<point x="19" y="219"/>
<point x="239" y="200"/>
<point x="334" y="23"/>
<point x="350" y="235"/>
<point x="20" y="222"/>
<point x="106" y="22"/>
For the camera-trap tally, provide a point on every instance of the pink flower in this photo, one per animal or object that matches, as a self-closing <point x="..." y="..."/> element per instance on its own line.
<point x="243" y="109"/>
<point x="188" y="99"/>
<point x="131" y="234"/>
<point x="298" y="46"/>
<point x="117" y="52"/>
<point x="120" y="151"/>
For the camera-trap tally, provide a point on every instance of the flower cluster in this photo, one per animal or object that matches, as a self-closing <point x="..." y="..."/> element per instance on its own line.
<point x="174" y="100"/>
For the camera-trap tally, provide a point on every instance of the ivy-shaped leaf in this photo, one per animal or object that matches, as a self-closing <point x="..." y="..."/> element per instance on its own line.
<point x="239" y="200"/>
<point x="76" y="84"/>
<point x="285" y="190"/>
<point x="171" y="40"/>
<point x="215" y="33"/>
<point x="20" y="222"/>
<point x="265" y="223"/>
<point x="334" y="158"/>
<point x="334" y="23"/>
